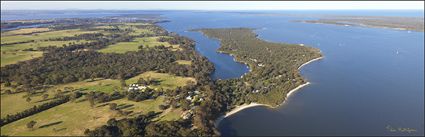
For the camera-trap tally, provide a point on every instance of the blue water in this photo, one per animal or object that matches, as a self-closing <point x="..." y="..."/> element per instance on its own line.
<point x="397" y="13"/>
<point x="361" y="87"/>
<point x="370" y="80"/>
<point x="225" y="66"/>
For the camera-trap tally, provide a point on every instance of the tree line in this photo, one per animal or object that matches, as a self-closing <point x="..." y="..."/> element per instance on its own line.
<point x="33" y="110"/>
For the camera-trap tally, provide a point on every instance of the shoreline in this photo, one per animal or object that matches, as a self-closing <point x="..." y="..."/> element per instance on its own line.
<point x="400" y="28"/>
<point x="223" y="52"/>
<point x="245" y="106"/>
<point x="236" y="110"/>
<point x="302" y="65"/>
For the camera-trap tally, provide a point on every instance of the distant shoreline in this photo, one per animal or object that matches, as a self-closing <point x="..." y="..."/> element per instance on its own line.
<point x="395" y="23"/>
<point x="245" y="106"/>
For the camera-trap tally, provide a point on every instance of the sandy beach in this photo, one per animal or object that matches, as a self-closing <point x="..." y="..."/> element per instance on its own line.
<point x="237" y="109"/>
<point x="245" y="106"/>
<point x="309" y="62"/>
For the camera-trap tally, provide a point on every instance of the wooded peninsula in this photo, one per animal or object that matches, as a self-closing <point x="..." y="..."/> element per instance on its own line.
<point x="273" y="66"/>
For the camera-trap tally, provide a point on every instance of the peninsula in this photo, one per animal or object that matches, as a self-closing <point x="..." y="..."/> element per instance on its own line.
<point x="273" y="68"/>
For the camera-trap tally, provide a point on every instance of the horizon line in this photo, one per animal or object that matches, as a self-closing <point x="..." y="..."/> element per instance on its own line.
<point x="200" y="9"/>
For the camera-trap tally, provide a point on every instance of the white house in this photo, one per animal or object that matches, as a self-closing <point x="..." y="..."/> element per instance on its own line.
<point x="136" y="87"/>
<point x="189" y="98"/>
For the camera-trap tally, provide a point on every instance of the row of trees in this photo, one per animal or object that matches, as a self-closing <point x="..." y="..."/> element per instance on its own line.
<point x="33" y="110"/>
<point x="124" y="127"/>
<point x="140" y="96"/>
<point x="143" y="126"/>
<point x="101" y="97"/>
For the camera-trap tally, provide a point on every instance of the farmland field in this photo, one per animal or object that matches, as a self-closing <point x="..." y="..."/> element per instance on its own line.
<point x="66" y="119"/>
<point x="38" y="44"/>
<point x="11" y="54"/>
<point x="9" y="103"/>
<point x="25" y="31"/>
<point x="167" y="81"/>
<point x="43" y="36"/>
<point x="14" y="57"/>
<point x="123" y="47"/>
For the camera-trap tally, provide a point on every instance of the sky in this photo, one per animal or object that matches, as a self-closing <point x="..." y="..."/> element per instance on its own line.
<point x="210" y="5"/>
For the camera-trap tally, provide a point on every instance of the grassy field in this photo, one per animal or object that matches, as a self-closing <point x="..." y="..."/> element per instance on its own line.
<point x="15" y="57"/>
<point x="170" y="115"/>
<point x="142" y="107"/>
<point x="184" y="62"/>
<point x="9" y="103"/>
<point x="65" y="119"/>
<point x="38" y="44"/>
<point x="167" y="81"/>
<point x="103" y="85"/>
<point x="123" y="47"/>
<point x="137" y="32"/>
<point x="43" y="36"/>
<point x="24" y="31"/>
<point x="11" y="54"/>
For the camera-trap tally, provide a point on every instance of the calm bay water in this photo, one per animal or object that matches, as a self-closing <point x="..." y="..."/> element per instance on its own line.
<point x="369" y="82"/>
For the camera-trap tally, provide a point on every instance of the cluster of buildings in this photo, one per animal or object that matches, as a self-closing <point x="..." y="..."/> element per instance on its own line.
<point x="194" y="96"/>
<point x="136" y="87"/>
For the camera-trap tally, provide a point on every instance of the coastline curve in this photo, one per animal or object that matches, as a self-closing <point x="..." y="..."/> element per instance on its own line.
<point x="245" y="106"/>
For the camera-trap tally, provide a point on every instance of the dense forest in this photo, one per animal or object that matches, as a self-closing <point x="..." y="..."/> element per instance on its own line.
<point x="61" y="66"/>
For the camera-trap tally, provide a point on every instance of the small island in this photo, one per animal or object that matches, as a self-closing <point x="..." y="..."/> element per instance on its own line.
<point x="273" y="68"/>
